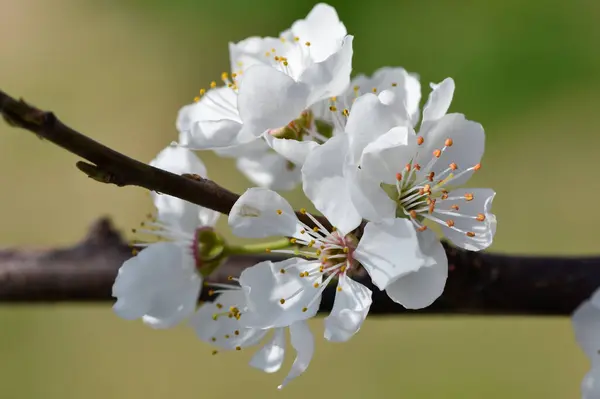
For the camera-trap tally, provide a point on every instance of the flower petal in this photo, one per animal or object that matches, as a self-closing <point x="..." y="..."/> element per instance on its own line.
<point x="175" y="211"/>
<point x="213" y="326"/>
<point x="261" y="213"/>
<point x="270" y="357"/>
<point x="249" y="52"/>
<point x="279" y="299"/>
<point x="270" y="171"/>
<point x="479" y="207"/>
<point x="468" y="139"/>
<point x="209" y="134"/>
<point x="590" y="386"/>
<point x="269" y="99"/>
<point x="323" y="29"/>
<point x="159" y="284"/>
<point x="419" y="289"/>
<point x="390" y="250"/>
<point x="369" y="118"/>
<point x="586" y="325"/>
<point x="350" y="308"/>
<point x="293" y="150"/>
<point x="304" y="343"/>
<point x="438" y="102"/>
<point x="330" y="77"/>
<point x="371" y="202"/>
<point x="325" y="185"/>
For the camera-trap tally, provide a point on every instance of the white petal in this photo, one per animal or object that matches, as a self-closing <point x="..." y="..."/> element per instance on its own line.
<point x="293" y="150"/>
<point x="261" y="213"/>
<point x="466" y="151"/>
<point x="269" y="99"/>
<point x="270" y="171"/>
<point x="590" y="386"/>
<point x="438" y="102"/>
<point x="182" y="214"/>
<point x="595" y="298"/>
<point x="371" y="202"/>
<point x="586" y="324"/>
<point x="249" y="52"/>
<point x="254" y="148"/>
<point x="404" y="86"/>
<point x="421" y="288"/>
<point x="208" y="135"/>
<point x="481" y="204"/>
<point x="265" y="286"/>
<point x="350" y="309"/>
<point x="223" y="331"/>
<point x="369" y="118"/>
<point x="325" y="185"/>
<point x="330" y="77"/>
<point x="390" y="250"/>
<point x="160" y="285"/>
<point x="270" y="357"/>
<point x="323" y="29"/>
<point x="304" y="344"/>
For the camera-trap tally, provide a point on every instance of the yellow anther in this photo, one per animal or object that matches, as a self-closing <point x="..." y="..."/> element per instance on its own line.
<point x="302" y="231"/>
<point x="454" y="207"/>
<point x="343" y="269"/>
<point x="279" y="211"/>
<point x="285" y="63"/>
<point x="453" y="166"/>
<point x="224" y="75"/>
<point x="307" y="44"/>
<point x="304" y="309"/>
<point x="374" y="89"/>
<point x="311" y="243"/>
<point x="303" y="211"/>
<point x="469" y="196"/>
<point x="339" y="288"/>
<point x="202" y="92"/>
<point x="437" y="153"/>
<point x="215" y="352"/>
<point x="316" y="285"/>
<point x="470" y="234"/>
<point x="450" y="222"/>
<point x="394" y="84"/>
<point x="448" y="142"/>
<point x="420" y="140"/>
<point x="211" y="292"/>
<point x="234" y="75"/>
<point x="134" y="252"/>
<point x="296" y="38"/>
<point x="346" y="249"/>
<point x="196" y="99"/>
<point x="237" y="332"/>
<point x="334" y="98"/>
<point x="282" y="271"/>
<point x="321" y="268"/>
<point x="268" y="250"/>
<point x="477" y="167"/>
<point x="219" y="306"/>
<point x="315" y="229"/>
<point x="318" y="253"/>
<point x="345" y="112"/>
<point x="229" y="278"/>
<point x="480" y="217"/>
<point x="422" y="228"/>
<point x="213" y="339"/>
<point x="282" y="301"/>
<point x="213" y="84"/>
<point x="292" y="240"/>
<point x="215" y="316"/>
<point x="238" y="348"/>
<point x="226" y="336"/>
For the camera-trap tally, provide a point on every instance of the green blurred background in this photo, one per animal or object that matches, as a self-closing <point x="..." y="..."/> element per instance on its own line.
<point x="120" y="70"/>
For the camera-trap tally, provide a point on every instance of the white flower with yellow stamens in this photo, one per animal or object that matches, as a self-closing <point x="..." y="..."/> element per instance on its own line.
<point x="219" y="323"/>
<point x="308" y="63"/>
<point x="394" y="87"/>
<point x="285" y="292"/>
<point x="414" y="176"/>
<point x="162" y="283"/>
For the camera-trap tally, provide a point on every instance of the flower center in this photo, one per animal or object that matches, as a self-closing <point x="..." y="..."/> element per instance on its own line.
<point x="305" y="127"/>
<point x="331" y="252"/>
<point x="422" y="195"/>
<point x="291" y="56"/>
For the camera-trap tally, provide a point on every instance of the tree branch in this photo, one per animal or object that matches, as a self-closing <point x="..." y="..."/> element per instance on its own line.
<point x="110" y="166"/>
<point x="479" y="283"/>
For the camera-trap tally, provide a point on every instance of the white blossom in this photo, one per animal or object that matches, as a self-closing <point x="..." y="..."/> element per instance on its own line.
<point x="273" y="81"/>
<point x="161" y="284"/>
<point x="586" y="325"/>
<point x="219" y="323"/>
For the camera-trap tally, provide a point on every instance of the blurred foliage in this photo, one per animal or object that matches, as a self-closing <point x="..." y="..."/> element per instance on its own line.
<point x="120" y="70"/>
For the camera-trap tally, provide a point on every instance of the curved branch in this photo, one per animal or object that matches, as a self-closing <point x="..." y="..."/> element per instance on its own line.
<point x="479" y="283"/>
<point x="112" y="167"/>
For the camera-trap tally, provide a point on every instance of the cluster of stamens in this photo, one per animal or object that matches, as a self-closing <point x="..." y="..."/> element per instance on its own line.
<point x="421" y="194"/>
<point x="233" y="312"/>
<point x="332" y="254"/>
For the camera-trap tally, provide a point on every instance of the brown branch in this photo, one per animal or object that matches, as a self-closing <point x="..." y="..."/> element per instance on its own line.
<point x="110" y="166"/>
<point x="479" y="283"/>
